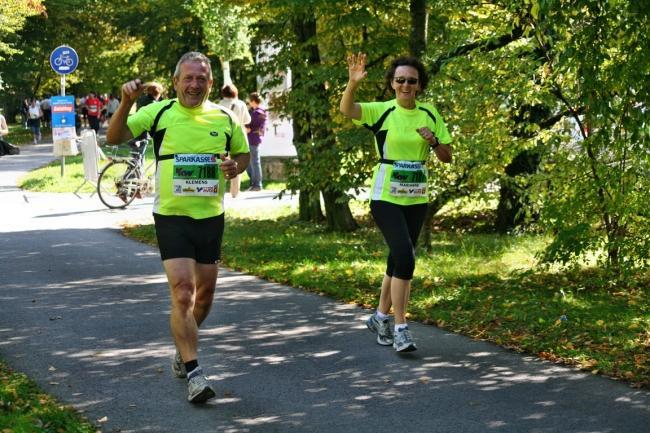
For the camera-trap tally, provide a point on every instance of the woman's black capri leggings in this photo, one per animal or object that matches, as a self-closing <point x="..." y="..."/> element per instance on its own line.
<point x="401" y="227"/>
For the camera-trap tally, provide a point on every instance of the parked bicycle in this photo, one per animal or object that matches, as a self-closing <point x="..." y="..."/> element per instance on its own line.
<point x="126" y="178"/>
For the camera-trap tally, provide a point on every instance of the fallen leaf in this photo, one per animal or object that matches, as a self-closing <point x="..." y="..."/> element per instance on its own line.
<point x="103" y="419"/>
<point x="588" y="364"/>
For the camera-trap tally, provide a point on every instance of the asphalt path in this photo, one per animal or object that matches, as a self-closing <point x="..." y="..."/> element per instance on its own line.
<point x="84" y="312"/>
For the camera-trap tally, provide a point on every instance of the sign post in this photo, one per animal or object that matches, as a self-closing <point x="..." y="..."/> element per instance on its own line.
<point x="63" y="60"/>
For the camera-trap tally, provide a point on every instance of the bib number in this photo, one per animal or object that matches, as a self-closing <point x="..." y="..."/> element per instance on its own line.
<point x="408" y="179"/>
<point x="196" y="174"/>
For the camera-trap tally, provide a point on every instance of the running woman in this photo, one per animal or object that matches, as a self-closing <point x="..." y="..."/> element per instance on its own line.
<point x="405" y="131"/>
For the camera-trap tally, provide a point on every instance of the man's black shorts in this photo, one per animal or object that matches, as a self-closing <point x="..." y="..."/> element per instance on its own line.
<point x="182" y="236"/>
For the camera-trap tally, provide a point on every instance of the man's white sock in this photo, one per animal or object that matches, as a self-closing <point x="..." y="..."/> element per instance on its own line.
<point x="381" y="316"/>
<point x="401" y="327"/>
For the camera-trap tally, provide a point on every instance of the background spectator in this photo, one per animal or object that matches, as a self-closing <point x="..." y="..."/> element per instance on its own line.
<point x="35" y="114"/>
<point x="230" y="100"/>
<point x="47" y="112"/>
<point x="255" y="130"/>
<point x="93" y="107"/>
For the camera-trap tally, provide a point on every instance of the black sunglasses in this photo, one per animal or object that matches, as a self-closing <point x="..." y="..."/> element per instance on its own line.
<point x="402" y="80"/>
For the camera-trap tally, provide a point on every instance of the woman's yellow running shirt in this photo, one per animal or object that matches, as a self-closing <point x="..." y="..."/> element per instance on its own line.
<point x="189" y="181"/>
<point x="402" y="176"/>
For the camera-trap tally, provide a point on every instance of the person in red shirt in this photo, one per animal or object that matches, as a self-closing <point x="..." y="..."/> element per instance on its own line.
<point x="94" y="107"/>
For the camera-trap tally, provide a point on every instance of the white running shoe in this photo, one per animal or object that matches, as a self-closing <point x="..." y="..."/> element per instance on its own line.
<point x="382" y="329"/>
<point x="403" y="342"/>
<point x="198" y="388"/>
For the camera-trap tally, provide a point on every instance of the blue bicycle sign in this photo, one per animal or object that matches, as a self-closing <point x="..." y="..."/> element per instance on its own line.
<point x="64" y="59"/>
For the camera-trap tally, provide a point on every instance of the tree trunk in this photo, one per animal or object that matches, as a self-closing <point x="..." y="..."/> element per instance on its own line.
<point x="419" y="19"/>
<point x="337" y="210"/>
<point x="309" y="209"/>
<point x="317" y="132"/>
<point x="433" y="208"/>
<point x="512" y="196"/>
<point x="225" y="68"/>
<point x="615" y="234"/>
<point x="456" y="190"/>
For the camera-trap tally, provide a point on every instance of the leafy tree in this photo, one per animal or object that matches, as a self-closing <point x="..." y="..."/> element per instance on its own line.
<point x="115" y="41"/>
<point x="593" y="190"/>
<point x="581" y="60"/>
<point x="313" y="38"/>
<point x="163" y="30"/>
<point x="226" y="31"/>
<point x="12" y="16"/>
<point x="480" y="66"/>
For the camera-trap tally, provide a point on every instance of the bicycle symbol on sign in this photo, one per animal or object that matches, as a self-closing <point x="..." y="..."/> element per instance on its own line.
<point x="63" y="59"/>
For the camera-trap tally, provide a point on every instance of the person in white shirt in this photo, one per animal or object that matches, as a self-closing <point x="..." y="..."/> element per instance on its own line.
<point x="5" y="147"/>
<point x="34" y="115"/>
<point x="230" y="100"/>
<point x="111" y="107"/>
<point x="47" y="112"/>
<point x="4" y="129"/>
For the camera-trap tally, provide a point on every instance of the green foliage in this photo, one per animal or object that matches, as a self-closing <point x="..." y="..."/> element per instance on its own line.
<point x="225" y="27"/>
<point x="594" y="187"/>
<point x="508" y="77"/>
<point x="12" y="18"/>
<point x="24" y="408"/>
<point x="105" y="52"/>
<point x="332" y="156"/>
<point x="161" y="30"/>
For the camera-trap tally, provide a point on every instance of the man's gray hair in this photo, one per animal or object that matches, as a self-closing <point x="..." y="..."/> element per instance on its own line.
<point x="192" y="56"/>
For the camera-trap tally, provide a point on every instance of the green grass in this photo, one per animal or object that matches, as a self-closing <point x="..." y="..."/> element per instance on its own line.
<point x="482" y="285"/>
<point x="19" y="135"/>
<point x="24" y="408"/>
<point x="49" y="179"/>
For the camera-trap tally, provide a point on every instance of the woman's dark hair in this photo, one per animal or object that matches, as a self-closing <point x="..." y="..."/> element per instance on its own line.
<point x="229" y="91"/>
<point x="407" y="61"/>
<point x="254" y="96"/>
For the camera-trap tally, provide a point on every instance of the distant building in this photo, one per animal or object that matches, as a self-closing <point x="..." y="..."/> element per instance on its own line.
<point x="278" y="136"/>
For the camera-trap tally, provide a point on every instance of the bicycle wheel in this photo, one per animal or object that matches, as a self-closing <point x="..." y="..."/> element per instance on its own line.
<point x="118" y="184"/>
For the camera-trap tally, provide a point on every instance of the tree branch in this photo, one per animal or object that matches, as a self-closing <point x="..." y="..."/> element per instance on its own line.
<point x="484" y="46"/>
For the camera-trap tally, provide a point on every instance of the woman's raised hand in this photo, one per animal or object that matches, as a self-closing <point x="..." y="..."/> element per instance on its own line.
<point x="357" y="67"/>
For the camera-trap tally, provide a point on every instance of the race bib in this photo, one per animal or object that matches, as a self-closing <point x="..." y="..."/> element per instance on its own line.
<point x="196" y="174"/>
<point x="408" y="179"/>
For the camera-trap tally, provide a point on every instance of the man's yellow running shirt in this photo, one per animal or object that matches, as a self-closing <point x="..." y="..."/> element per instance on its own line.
<point x="402" y="176"/>
<point x="189" y="181"/>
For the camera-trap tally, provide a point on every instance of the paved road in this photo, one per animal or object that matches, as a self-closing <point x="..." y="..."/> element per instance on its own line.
<point x="84" y="311"/>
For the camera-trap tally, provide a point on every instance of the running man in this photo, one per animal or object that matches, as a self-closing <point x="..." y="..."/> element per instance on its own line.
<point x="197" y="146"/>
